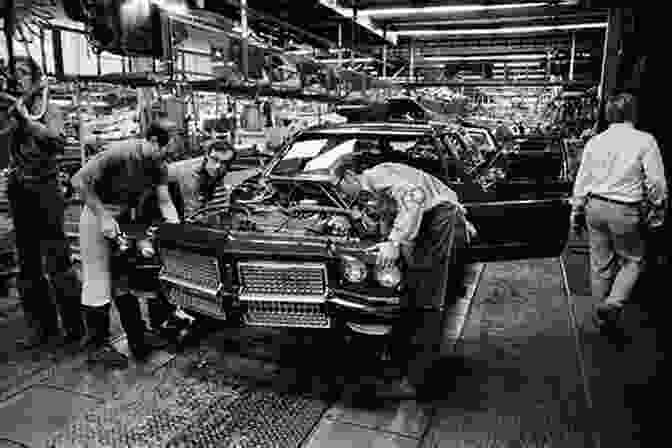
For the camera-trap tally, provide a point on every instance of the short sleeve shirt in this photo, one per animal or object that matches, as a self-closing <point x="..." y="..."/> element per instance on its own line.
<point x="121" y="174"/>
<point x="34" y="159"/>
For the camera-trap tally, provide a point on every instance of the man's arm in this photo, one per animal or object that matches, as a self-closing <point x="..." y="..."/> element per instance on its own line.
<point x="406" y="225"/>
<point x="654" y="180"/>
<point x="166" y="205"/>
<point x="579" y="196"/>
<point x="84" y="184"/>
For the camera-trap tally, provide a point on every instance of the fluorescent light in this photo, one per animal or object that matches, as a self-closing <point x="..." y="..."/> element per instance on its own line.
<point x="364" y="22"/>
<point x="516" y="64"/>
<point x="172" y="7"/>
<point x="507" y="57"/>
<point x="345" y="60"/>
<point x="511" y="30"/>
<point x="435" y="10"/>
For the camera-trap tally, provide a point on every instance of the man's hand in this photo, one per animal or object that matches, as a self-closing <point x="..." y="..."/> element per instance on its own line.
<point x="22" y="110"/>
<point x="109" y="226"/>
<point x="471" y="230"/>
<point x="388" y="253"/>
<point x="578" y="222"/>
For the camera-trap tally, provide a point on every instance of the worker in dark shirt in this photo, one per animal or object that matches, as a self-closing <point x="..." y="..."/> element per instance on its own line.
<point x="429" y="226"/>
<point x="37" y="206"/>
<point x="111" y="184"/>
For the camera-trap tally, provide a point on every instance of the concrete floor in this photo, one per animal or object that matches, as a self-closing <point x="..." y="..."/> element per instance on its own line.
<point x="526" y="368"/>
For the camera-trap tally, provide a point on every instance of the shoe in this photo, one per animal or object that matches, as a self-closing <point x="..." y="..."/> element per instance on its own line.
<point x="398" y="390"/>
<point x="97" y="343"/>
<point x="108" y="356"/>
<point x="140" y="341"/>
<point x="607" y="316"/>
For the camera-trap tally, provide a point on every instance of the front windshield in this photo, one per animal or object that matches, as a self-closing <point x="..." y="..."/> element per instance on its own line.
<point x="321" y="153"/>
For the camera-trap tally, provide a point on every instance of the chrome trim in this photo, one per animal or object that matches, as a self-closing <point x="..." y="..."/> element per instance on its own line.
<point x="319" y="321"/>
<point x="245" y="297"/>
<point x="283" y="242"/>
<point x="285" y="266"/>
<point x="215" y="260"/>
<point x="177" y="282"/>
<point x="348" y="304"/>
<point x="370" y="330"/>
<point x="393" y="300"/>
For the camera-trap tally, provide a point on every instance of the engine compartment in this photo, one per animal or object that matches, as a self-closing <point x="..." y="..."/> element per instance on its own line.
<point x="302" y="208"/>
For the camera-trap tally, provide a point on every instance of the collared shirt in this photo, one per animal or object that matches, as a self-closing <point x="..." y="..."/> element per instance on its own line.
<point x="121" y="174"/>
<point x="623" y="164"/>
<point x="414" y="191"/>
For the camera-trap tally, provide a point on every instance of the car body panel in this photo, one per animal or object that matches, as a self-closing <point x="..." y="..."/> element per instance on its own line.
<point x="272" y="252"/>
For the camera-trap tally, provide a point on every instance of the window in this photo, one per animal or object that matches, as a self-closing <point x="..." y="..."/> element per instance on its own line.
<point x="321" y="153"/>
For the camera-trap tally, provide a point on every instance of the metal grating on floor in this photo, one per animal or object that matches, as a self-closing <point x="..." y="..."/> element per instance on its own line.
<point x="188" y="410"/>
<point x="259" y="418"/>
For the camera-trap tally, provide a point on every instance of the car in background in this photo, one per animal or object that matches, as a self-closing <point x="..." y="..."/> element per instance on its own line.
<point x="288" y="249"/>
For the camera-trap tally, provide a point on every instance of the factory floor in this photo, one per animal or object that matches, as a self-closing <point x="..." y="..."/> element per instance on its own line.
<point x="524" y="367"/>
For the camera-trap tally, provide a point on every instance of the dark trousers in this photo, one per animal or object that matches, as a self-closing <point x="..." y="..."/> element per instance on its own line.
<point x="434" y="275"/>
<point x="46" y="280"/>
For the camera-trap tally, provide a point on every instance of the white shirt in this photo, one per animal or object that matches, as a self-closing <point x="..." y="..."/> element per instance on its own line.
<point x="624" y="164"/>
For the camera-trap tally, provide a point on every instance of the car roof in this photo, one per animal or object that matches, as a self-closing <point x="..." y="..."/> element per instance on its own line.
<point x="389" y="128"/>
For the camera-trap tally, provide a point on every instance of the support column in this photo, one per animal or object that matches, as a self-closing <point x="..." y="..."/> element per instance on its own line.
<point x="244" y="41"/>
<point x="411" y="57"/>
<point x="385" y="61"/>
<point x="340" y="45"/>
<point x="353" y="43"/>
<point x="611" y="56"/>
<point x="572" y="57"/>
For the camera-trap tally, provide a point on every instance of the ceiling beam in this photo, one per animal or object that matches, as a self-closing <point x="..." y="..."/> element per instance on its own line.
<point x="509" y="21"/>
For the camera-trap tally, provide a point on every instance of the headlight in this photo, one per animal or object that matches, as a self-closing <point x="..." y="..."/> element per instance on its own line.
<point x="354" y="270"/>
<point x="146" y="248"/>
<point x="388" y="277"/>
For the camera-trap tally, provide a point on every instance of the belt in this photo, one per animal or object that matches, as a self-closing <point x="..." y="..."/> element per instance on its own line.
<point x="613" y="201"/>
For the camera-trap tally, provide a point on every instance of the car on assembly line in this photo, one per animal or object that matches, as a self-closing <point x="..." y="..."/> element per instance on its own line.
<point x="286" y="248"/>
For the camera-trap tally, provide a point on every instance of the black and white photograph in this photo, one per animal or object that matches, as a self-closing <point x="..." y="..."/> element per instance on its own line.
<point x="333" y="223"/>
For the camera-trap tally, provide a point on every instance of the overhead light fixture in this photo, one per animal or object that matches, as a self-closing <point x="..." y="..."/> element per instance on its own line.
<point x="516" y="57"/>
<point x="510" y="30"/>
<point x="172" y="6"/>
<point x="345" y="60"/>
<point x="437" y="10"/>
<point x="516" y="64"/>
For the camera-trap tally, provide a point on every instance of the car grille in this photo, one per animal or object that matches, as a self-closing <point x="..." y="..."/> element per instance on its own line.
<point x="281" y="281"/>
<point x="193" y="268"/>
<point x="188" y="300"/>
<point x="285" y="314"/>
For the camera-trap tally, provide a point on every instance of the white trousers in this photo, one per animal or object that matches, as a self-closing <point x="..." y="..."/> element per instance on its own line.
<point x="95" y="251"/>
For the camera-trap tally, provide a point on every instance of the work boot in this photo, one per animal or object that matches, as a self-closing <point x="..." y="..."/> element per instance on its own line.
<point x="141" y="341"/>
<point x="159" y="311"/>
<point x="98" y="345"/>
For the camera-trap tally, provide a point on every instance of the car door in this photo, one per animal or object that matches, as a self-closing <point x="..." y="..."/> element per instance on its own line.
<point x="516" y="217"/>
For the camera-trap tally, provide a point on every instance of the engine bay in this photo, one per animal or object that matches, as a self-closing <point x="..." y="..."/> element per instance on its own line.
<point x="302" y="208"/>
